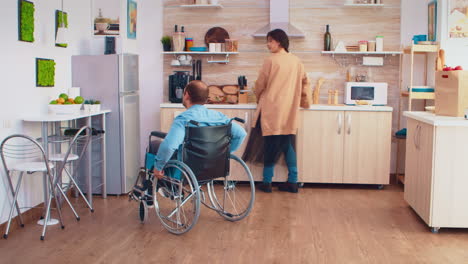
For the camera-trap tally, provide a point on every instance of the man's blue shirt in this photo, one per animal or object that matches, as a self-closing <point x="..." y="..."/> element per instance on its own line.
<point x="205" y="117"/>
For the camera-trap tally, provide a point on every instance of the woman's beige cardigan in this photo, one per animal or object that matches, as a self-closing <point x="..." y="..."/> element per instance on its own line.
<point x="281" y="88"/>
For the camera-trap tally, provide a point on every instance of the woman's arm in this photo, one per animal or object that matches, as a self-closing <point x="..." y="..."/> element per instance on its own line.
<point x="262" y="79"/>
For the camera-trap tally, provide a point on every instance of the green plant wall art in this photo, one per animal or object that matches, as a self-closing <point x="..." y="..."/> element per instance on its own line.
<point x="26" y="21"/>
<point x="45" y="72"/>
<point x="59" y="17"/>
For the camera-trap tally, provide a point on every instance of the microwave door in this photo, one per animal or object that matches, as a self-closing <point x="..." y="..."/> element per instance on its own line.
<point x="363" y="93"/>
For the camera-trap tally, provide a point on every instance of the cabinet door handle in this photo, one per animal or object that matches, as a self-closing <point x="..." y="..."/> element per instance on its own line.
<point x="340" y="123"/>
<point x="348" y="123"/>
<point x="246" y="118"/>
<point x="419" y="137"/>
<point x="415" y="137"/>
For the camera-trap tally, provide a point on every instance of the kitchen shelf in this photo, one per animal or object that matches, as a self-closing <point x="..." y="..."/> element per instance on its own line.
<point x="364" y="5"/>
<point x="200" y="53"/>
<point x="393" y="53"/>
<point x="418" y="48"/>
<point x="201" y="6"/>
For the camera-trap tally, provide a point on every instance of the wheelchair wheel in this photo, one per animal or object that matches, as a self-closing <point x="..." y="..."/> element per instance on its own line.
<point x="233" y="199"/>
<point x="143" y="212"/>
<point x="177" y="198"/>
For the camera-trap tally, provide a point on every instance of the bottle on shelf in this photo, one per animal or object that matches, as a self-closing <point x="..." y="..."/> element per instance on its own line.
<point x="327" y="39"/>
<point x="379" y="43"/>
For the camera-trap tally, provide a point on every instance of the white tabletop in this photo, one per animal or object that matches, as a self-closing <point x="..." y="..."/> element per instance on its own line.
<point x="312" y="107"/>
<point x="432" y="119"/>
<point x="59" y="117"/>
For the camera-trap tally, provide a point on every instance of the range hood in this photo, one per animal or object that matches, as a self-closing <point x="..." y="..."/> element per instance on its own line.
<point x="279" y="18"/>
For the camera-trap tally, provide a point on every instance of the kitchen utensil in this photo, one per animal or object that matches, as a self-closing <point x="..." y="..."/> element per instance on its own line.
<point x="198" y="70"/>
<point x="316" y="92"/>
<point x="440" y="60"/>
<point x="216" y="35"/>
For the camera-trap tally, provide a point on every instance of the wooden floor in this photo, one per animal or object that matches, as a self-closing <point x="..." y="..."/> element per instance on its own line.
<point x="321" y="224"/>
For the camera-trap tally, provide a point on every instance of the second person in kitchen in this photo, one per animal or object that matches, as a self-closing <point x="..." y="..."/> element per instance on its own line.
<point x="282" y="87"/>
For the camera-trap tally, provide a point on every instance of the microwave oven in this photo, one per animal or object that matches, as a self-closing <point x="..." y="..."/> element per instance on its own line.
<point x="374" y="93"/>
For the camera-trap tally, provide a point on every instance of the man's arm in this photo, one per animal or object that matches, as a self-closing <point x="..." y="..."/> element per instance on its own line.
<point x="238" y="136"/>
<point x="171" y="143"/>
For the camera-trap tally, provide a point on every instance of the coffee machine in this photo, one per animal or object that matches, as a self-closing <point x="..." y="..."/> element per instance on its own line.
<point x="177" y="83"/>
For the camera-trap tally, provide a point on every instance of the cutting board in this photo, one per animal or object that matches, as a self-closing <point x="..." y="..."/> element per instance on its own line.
<point x="216" y="35"/>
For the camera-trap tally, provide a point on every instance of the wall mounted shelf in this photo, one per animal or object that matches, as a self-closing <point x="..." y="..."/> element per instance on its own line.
<point x="225" y="61"/>
<point x="393" y="53"/>
<point x="363" y="5"/>
<point x="201" y="6"/>
<point x="200" y="53"/>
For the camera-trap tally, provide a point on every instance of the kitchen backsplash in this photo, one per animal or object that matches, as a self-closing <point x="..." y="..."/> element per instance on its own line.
<point x="241" y="18"/>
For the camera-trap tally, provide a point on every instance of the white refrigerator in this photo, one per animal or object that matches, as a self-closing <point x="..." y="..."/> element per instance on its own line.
<point x="113" y="79"/>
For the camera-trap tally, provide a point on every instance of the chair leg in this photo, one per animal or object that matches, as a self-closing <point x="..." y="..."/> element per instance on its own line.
<point x="68" y="201"/>
<point x="46" y="218"/>
<point x="79" y="190"/>
<point x="10" y="183"/>
<point x="15" y="197"/>
<point x="57" y="204"/>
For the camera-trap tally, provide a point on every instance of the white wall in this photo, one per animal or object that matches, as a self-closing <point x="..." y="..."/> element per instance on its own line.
<point x="17" y="70"/>
<point x="456" y="50"/>
<point x="151" y="69"/>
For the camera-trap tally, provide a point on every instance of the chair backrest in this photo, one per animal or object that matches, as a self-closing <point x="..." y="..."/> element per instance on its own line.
<point x="21" y="148"/>
<point x="206" y="150"/>
<point x="78" y="145"/>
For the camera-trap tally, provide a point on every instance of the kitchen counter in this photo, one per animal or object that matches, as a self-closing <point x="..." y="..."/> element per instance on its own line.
<point x="313" y="107"/>
<point x="434" y="120"/>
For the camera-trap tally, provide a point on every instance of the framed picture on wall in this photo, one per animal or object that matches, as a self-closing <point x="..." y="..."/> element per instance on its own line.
<point x="106" y="18"/>
<point x="458" y="18"/>
<point x="131" y="19"/>
<point x="432" y="21"/>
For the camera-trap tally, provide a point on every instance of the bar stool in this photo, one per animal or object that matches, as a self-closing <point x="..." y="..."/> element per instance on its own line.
<point x="22" y="154"/>
<point x="72" y="157"/>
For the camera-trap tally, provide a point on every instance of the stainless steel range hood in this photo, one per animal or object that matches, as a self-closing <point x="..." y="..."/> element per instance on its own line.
<point x="279" y="18"/>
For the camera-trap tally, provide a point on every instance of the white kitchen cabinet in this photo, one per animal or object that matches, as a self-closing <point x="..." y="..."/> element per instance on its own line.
<point x="436" y="170"/>
<point x="367" y="147"/>
<point x="345" y="147"/>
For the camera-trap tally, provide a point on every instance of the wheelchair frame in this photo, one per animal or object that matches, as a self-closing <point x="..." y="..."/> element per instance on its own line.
<point x="148" y="194"/>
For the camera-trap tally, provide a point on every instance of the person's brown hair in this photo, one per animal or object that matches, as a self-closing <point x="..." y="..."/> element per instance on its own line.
<point x="280" y="36"/>
<point x="198" y="92"/>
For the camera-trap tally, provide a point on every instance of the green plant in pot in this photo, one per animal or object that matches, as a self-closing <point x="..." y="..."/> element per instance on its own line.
<point x="166" y="42"/>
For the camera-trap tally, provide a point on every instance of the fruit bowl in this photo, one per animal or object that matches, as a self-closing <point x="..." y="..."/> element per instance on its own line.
<point x="64" y="109"/>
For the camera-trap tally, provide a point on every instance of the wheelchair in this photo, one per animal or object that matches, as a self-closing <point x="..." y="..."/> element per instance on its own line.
<point x="198" y="173"/>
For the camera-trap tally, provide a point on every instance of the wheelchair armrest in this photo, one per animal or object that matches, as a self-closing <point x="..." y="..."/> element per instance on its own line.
<point x="240" y="120"/>
<point x="158" y="134"/>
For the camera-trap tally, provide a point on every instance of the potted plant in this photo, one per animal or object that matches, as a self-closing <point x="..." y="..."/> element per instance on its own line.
<point x="166" y="42"/>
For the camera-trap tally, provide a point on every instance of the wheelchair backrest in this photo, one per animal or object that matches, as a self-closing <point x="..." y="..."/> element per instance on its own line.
<point x="206" y="150"/>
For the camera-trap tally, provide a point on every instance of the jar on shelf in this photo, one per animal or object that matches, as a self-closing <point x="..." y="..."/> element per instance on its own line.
<point x="371" y="45"/>
<point x="363" y="45"/>
<point x="379" y="43"/>
<point x="188" y="43"/>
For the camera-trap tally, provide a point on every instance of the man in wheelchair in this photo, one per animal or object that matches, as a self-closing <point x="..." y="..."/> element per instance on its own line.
<point x="194" y="97"/>
<point x="196" y="152"/>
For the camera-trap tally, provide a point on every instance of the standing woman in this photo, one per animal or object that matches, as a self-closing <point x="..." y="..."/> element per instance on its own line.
<point x="281" y="88"/>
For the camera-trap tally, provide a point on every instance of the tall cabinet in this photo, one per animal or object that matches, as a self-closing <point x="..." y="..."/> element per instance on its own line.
<point x="436" y="171"/>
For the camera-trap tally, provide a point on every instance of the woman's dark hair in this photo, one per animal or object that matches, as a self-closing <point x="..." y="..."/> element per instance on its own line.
<point x="280" y="36"/>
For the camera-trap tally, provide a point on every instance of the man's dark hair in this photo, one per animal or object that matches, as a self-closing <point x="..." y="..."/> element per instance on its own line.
<point x="280" y="36"/>
<point x="198" y="92"/>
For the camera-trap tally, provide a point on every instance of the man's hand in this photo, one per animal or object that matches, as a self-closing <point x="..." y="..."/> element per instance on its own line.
<point x="158" y="174"/>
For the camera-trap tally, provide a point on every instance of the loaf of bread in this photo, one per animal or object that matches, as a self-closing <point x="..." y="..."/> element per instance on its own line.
<point x="232" y="99"/>
<point x="215" y="94"/>
<point x="231" y="89"/>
